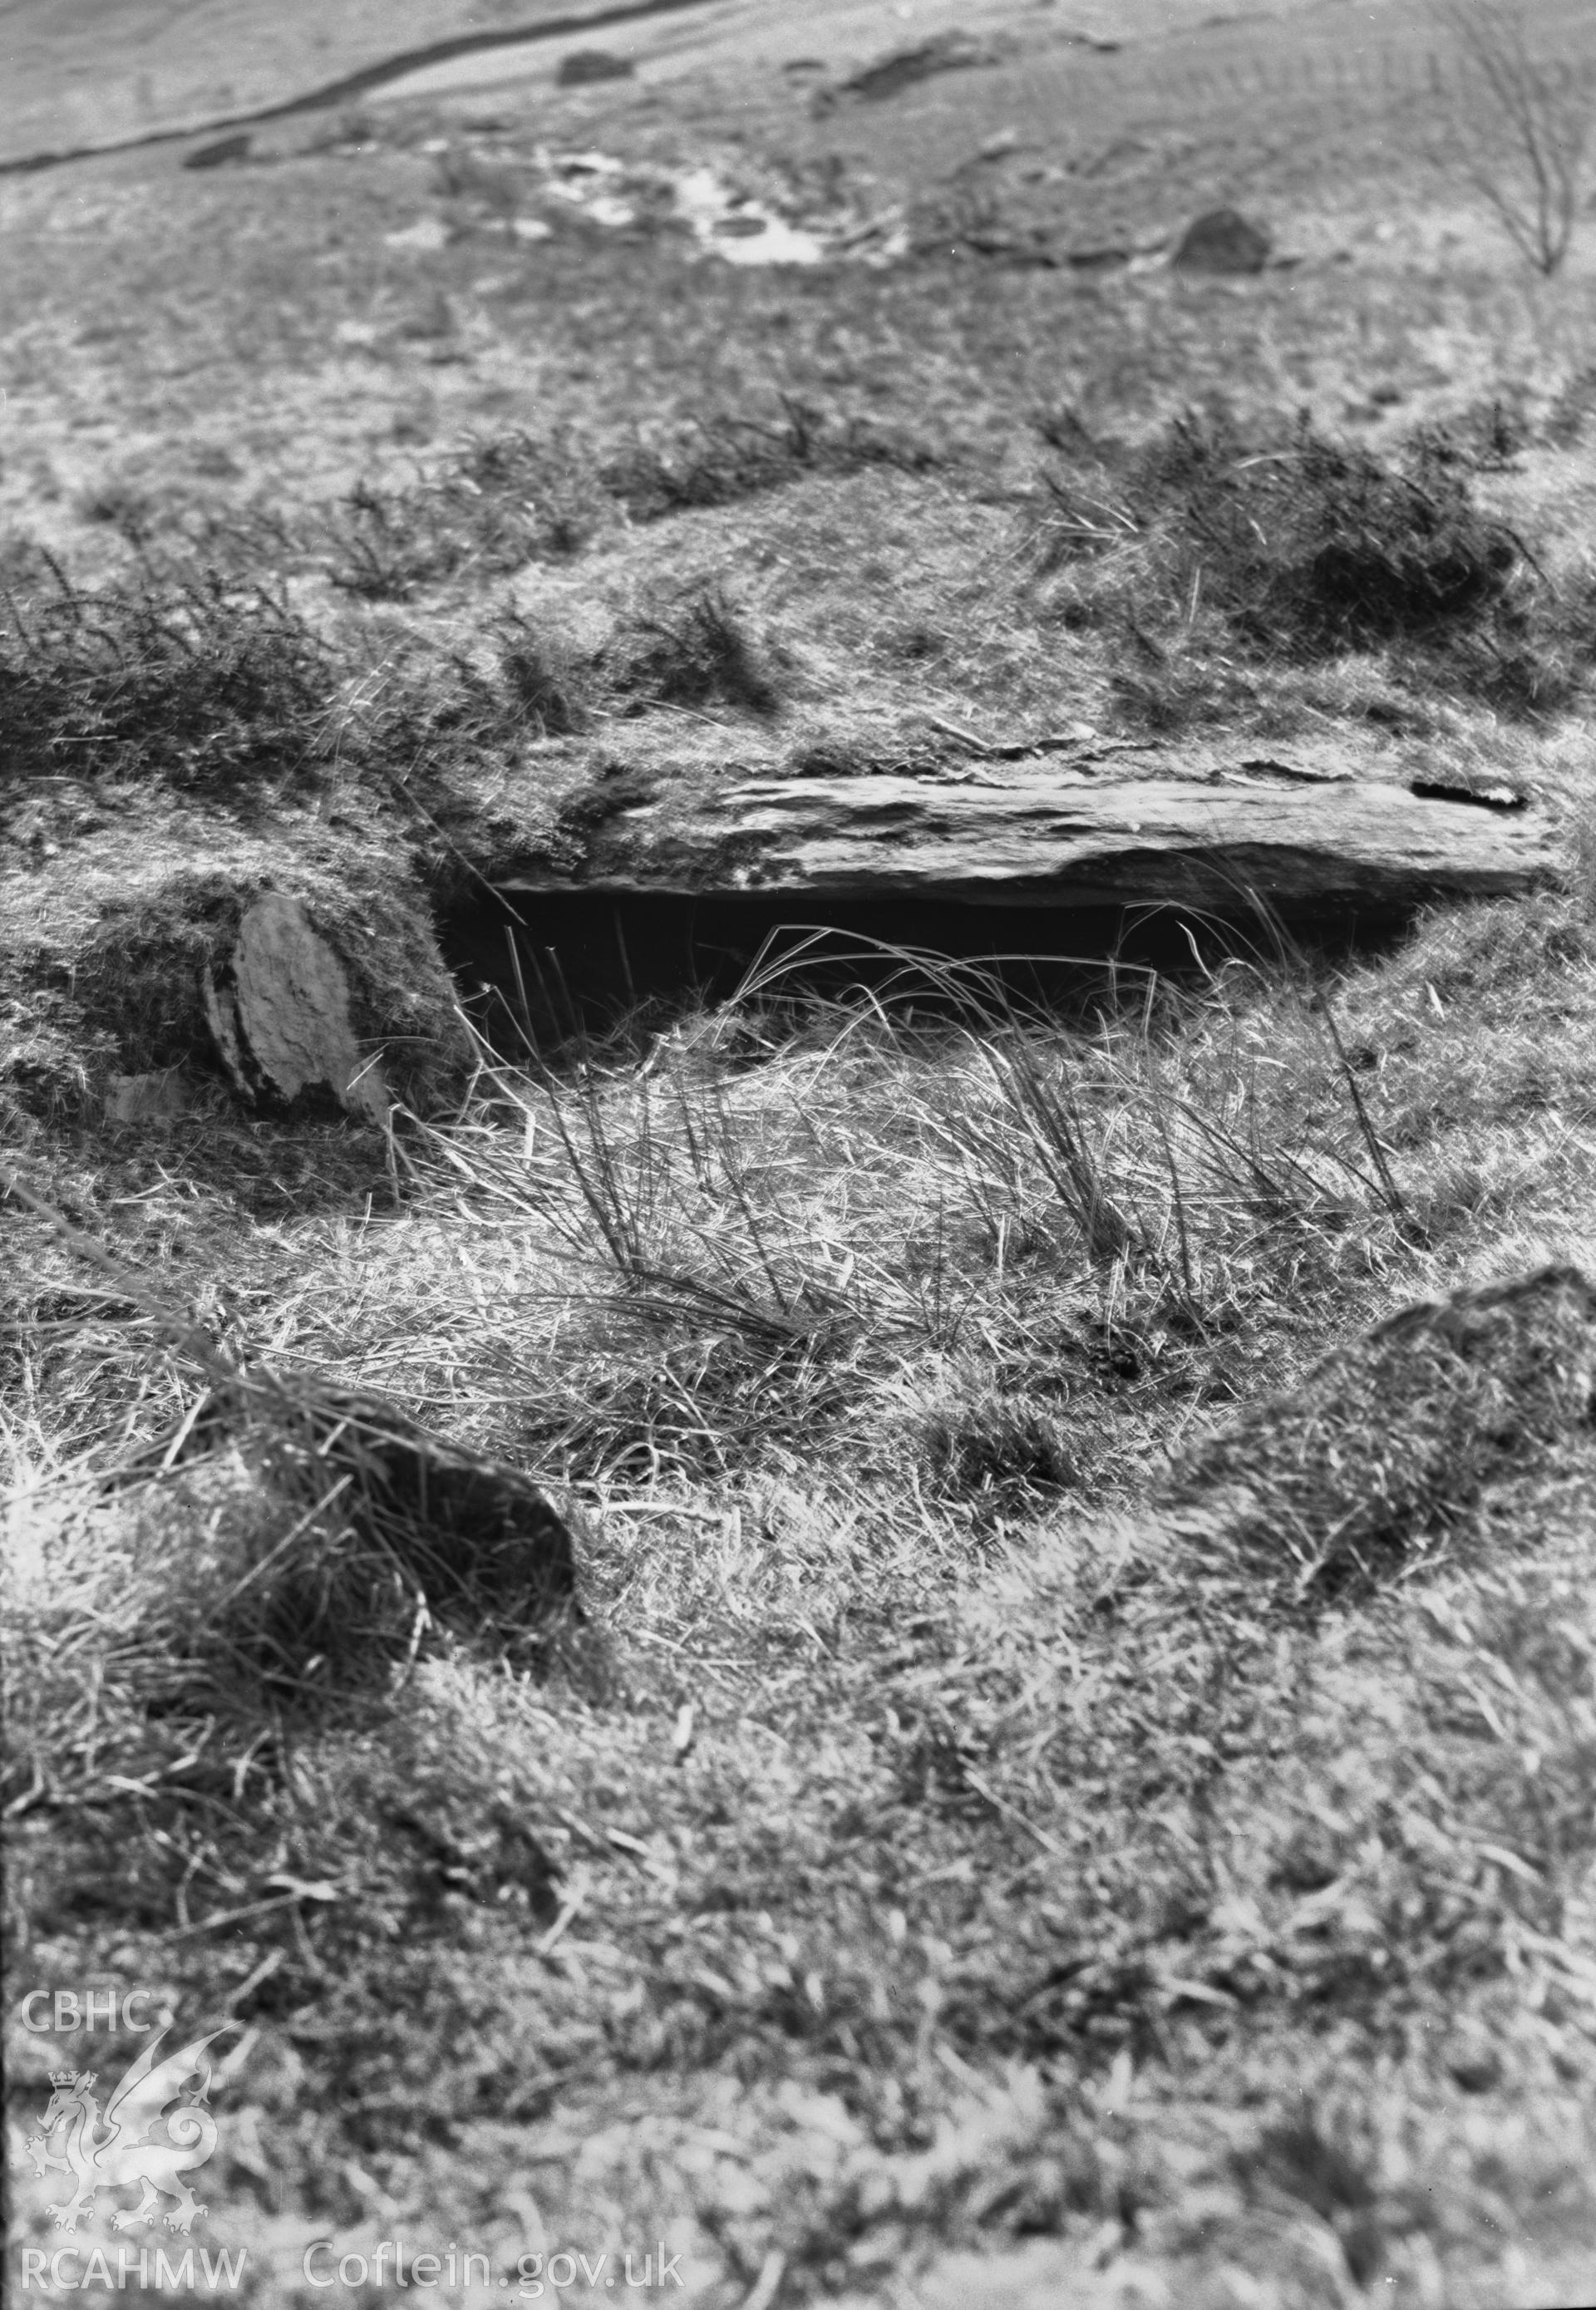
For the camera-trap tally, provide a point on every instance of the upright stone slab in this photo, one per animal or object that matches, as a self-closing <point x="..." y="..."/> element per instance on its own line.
<point x="281" y="1019"/>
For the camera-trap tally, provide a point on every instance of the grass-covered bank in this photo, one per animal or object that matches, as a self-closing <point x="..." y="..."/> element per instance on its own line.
<point x="938" y="1805"/>
<point x="387" y="702"/>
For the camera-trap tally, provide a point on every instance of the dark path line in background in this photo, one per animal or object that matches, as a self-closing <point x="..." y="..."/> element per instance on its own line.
<point x="369" y="76"/>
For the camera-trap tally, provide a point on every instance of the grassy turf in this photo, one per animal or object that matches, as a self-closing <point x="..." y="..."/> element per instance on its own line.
<point x="1070" y="1781"/>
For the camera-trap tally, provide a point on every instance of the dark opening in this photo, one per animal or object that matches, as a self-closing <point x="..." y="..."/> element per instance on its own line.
<point x="588" y="959"/>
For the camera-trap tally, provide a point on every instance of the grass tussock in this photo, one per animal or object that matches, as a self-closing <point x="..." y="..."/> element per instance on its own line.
<point x="359" y="1533"/>
<point x="1209" y="544"/>
<point x="997" y="1451"/>
<point x="499" y="502"/>
<point x="1104" y="1211"/>
<point x="717" y="461"/>
<point x="194" y="680"/>
<point x="509" y="498"/>
<point x="182" y="680"/>
<point x="279" y="1560"/>
<point x="696" y="653"/>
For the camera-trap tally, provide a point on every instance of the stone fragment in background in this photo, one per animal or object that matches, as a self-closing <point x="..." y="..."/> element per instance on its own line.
<point x="1222" y="241"/>
<point x="583" y="66"/>
<point x="227" y="151"/>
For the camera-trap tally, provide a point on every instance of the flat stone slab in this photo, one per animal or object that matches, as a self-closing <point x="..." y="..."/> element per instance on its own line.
<point x="1040" y="836"/>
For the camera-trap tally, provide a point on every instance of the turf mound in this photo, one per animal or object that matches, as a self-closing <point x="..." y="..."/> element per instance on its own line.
<point x="1391" y="1442"/>
<point x="312" y="1539"/>
<point x="1211" y="545"/>
<point x="395" y="1531"/>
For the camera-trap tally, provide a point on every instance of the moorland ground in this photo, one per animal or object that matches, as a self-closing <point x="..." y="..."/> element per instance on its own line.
<point x="116" y="70"/>
<point x="962" y="1854"/>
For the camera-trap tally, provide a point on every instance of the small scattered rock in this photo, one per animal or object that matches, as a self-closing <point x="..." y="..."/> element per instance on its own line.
<point x="584" y="66"/>
<point x="1223" y="242"/>
<point x="227" y="151"/>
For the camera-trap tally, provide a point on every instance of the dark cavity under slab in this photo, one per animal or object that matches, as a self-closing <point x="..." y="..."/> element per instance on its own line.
<point x="557" y="966"/>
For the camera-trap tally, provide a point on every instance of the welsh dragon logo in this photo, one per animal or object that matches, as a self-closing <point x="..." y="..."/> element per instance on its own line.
<point x="124" y="2149"/>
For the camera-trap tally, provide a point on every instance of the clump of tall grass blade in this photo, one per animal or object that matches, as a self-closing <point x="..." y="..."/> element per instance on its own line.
<point x="500" y="501"/>
<point x="187" y="677"/>
<point x="507" y="499"/>
<point x="764" y="1232"/>
<point x="697" y="652"/>
<point x="991" y="1448"/>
